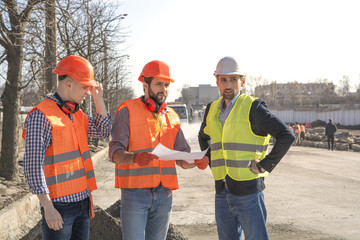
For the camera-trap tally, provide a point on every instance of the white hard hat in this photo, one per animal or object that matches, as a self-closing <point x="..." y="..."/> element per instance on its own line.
<point x="227" y="66"/>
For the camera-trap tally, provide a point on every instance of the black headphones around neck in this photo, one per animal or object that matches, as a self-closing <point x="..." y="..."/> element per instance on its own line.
<point x="152" y="105"/>
<point x="67" y="107"/>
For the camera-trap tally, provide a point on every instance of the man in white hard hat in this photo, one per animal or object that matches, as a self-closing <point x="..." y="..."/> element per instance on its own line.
<point x="239" y="127"/>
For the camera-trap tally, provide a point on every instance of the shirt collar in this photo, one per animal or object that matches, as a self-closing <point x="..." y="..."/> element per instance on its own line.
<point x="232" y="102"/>
<point x="52" y="97"/>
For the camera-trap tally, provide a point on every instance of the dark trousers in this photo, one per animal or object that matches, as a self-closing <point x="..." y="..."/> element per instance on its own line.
<point x="76" y="221"/>
<point x="330" y="140"/>
<point x="302" y="136"/>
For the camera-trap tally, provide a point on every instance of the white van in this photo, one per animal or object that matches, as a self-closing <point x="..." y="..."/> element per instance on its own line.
<point x="181" y="110"/>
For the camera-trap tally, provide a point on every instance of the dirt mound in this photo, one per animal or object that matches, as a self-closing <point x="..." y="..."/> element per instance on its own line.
<point x="114" y="211"/>
<point x="106" y="225"/>
<point x="11" y="191"/>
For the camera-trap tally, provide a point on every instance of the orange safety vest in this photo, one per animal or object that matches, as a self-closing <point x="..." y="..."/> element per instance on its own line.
<point x="302" y="128"/>
<point x="297" y="128"/>
<point x="68" y="167"/>
<point x="146" y="131"/>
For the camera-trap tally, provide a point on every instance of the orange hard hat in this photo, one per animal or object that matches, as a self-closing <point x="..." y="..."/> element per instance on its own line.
<point x="78" y="68"/>
<point x="155" y="69"/>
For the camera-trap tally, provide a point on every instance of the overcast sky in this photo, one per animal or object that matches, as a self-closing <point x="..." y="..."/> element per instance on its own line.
<point x="280" y="40"/>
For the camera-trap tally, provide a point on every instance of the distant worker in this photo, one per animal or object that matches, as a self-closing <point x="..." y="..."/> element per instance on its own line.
<point x="239" y="128"/>
<point x="291" y="128"/>
<point x="146" y="182"/>
<point x="57" y="161"/>
<point x="297" y="133"/>
<point x="330" y="131"/>
<point x="302" y="132"/>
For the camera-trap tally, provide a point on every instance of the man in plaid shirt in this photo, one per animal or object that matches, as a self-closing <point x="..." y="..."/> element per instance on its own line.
<point x="63" y="179"/>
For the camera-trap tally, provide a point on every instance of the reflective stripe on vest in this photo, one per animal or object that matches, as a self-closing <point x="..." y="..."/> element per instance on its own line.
<point x="239" y="147"/>
<point x="68" y="166"/>
<point x="66" y="156"/>
<point x="234" y="145"/>
<point x="144" y="171"/>
<point x="146" y="131"/>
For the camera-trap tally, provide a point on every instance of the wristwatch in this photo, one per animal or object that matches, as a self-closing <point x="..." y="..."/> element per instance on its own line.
<point x="259" y="167"/>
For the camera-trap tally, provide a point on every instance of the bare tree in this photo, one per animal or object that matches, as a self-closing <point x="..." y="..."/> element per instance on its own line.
<point x="14" y="19"/>
<point x="187" y="97"/>
<point x="118" y="88"/>
<point x="251" y="83"/>
<point x="344" y="86"/>
<point x="82" y="26"/>
<point x="50" y="46"/>
<point x="92" y="29"/>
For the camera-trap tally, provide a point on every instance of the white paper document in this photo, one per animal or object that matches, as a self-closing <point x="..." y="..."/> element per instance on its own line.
<point x="165" y="153"/>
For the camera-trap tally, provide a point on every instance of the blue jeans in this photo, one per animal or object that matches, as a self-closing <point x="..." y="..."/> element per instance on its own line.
<point x="235" y="214"/>
<point x="76" y="221"/>
<point x="145" y="213"/>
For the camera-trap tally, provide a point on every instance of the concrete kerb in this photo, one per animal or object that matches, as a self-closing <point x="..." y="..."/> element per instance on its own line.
<point x="19" y="217"/>
<point x="16" y="219"/>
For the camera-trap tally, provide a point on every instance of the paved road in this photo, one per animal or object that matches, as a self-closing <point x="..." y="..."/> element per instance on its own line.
<point x="311" y="190"/>
<point x="318" y="190"/>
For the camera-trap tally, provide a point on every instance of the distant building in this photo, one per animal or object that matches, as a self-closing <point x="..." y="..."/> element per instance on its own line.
<point x="297" y="94"/>
<point x="199" y="96"/>
<point x="196" y="99"/>
<point x="204" y="94"/>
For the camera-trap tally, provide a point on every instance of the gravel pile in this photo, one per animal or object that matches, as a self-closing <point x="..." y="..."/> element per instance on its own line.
<point x="106" y="225"/>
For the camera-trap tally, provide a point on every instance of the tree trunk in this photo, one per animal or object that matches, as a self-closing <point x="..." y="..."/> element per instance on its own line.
<point x="11" y="110"/>
<point x="50" y="46"/>
<point x="105" y="82"/>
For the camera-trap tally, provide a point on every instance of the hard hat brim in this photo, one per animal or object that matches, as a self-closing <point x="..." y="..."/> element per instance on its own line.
<point x="141" y="78"/>
<point x="228" y="73"/>
<point x="91" y="83"/>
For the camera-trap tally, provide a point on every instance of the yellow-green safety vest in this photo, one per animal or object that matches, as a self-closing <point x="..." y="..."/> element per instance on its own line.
<point x="234" y="146"/>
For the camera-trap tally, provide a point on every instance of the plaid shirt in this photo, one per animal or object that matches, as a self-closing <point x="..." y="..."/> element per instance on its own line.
<point x="37" y="140"/>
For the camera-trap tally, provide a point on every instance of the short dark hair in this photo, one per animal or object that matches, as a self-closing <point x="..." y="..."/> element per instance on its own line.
<point x="62" y="77"/>
<point x="148" y="80"/>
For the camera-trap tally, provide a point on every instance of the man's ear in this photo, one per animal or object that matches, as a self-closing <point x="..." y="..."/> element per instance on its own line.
<point x="68" y="82"/>
<point x="145" y="86"/>
<point x="243" y="81"/>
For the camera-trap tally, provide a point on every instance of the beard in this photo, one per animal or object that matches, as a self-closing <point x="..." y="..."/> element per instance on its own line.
<point x="228" y="94"/>
<point x="155" y="96"/>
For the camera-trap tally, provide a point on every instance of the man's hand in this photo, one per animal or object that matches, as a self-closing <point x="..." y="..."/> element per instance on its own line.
<point x="184" y="164"/>
<point x="254" y="168"/>
<point x="53" y="218"/>
<point x="97" y="92"/>
<point x="202" y="163"/>
<point x="144" y="158"/>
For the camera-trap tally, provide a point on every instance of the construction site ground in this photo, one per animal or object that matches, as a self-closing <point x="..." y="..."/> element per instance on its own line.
<point x="312" y="194"/>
